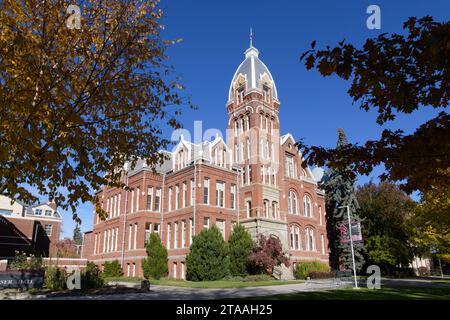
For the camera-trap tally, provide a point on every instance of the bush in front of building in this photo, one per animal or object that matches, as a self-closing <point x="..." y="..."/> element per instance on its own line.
<point x="55" y="278"/>
<point x="240" y="246"/>
<point x="208" y="257"/>
<point x="155" y="265"/>
<point x="23" y="262"/>
<point x="91" y="277"/>
<point x="112" y="269"/>
<point x="304" y="269"/>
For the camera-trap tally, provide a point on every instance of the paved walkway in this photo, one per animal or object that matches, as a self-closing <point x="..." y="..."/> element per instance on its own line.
<point x="180" y="293"/>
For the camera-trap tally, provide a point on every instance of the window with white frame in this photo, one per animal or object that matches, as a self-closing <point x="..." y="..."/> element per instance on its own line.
<point x="137" y="198"/>
<point x="158" y="200"/>
<point x="248" y="207"/>
<point x="320" y="215"/>
<point x="38" y="212"/>
<point x="191" y="232"/>
<point x="156" y="228"/>
<point x="274" y="210"/>
<point x="307" y="206"/>
<point x="290" y="172"/>
<point x="150" y="198"/>
<point x="175" y="235"/>
<point x="183" y="233"/>
<point x="169" y="231"/>
<point x="184" y="194"/>
<point x="130" y="231"/>
<point x="322" y="242"/>
<point x="177" y="196"/>
<point x="206" y="191"/>
<point x="132" y="201"/>
<point x="148" y="231"/>
<point x="242" y="151"/>
<point x="118" y="206"/>
<point x="220" y="194"/>
<point x="48" y="213"/>
<point x="248" y="149"/>
<point x="170" y="199"/>
<point x="135" y="235"/>
<point x="117" y="239"/>
<point x="295" y="237"/>
<point x="205" y="223"/>
<point x="192" y="192"/>
<point x="221" y="226"/>
<point x="48" y="229"/>
<point x="233" y="196"/>
<point x="292" y="202"/>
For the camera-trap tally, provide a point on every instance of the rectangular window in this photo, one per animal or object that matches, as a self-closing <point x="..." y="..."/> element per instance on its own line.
<point x="191" y="233"/>
<point x="177" y="196"/>
<point x="48" y="229"/>
<point x="135" y="236"/>
<point x="205" y="223"/>
<point x="170" y="199"/>
<point x="130" y="231"/>
<point x="119" y="207"/>
<point x="183" y="234"/>
<point x="192" y="192"/>
<point x="95" y="243"/>
<point x="132" y="201"/>
<point x="169" y="231"/>
<point x="184" y="194"/>
<point x="206" y="191"/>
<point x="158" y="200"/>
<point x="175" y="235"/>
<point x="149" y="198"/>
<point x="221" y="225"/>
<point x="117" y="239"/>
<point x="137" y="198"/>
<point x="38" y="212"/>
<point x="104" y="242"/>
<point x="322" y="240"/>
<point x="156" y="228"/>
<point x="220" y="194"/>
<point x="48" y="213"/>
<point x="148" y="230"/>
<point x="233" y="196"/>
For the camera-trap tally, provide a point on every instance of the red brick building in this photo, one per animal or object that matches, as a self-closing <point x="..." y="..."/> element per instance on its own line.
<point x="255" y="178"/>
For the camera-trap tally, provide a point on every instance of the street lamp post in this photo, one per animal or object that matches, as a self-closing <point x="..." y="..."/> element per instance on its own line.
<point x="351" y="244"/>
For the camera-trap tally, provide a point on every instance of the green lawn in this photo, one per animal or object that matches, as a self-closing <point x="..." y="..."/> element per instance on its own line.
<point x="207" y="284"/>
<point x="386" y="293"/>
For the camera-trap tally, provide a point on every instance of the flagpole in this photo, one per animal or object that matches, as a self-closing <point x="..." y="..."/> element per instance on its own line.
<point x="351" y="245"/>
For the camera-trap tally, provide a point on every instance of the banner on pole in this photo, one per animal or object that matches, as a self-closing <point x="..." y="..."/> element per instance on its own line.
<point x="356" y="232"/>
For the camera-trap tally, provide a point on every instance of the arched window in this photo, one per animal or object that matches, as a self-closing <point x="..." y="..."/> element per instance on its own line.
<point x="295" y="239"/>
<point x="242" y="124"/>
<point x="266" y="208"/>
<point x="248" y="122"/>
<point x="307" y="206"/>
<point x="274" y="210"/>
<point x="292" y="202"/>
<point x="310" y="239"/>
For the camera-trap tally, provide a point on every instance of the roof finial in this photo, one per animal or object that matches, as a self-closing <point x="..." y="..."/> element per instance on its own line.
<point x="251" y="37"/>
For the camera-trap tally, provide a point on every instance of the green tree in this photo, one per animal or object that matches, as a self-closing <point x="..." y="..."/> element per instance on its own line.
<point x="385" y="210"/>
<point x="338" y="185"/>
<point x="77" y="104"/>
<point x="241" y="246"/>
<point x="394" y="74"/>
<point x="77" y="236"/>
<point x="155" y="265"/>
<point x="112" y="269"/>
<point x="208" y="257"/>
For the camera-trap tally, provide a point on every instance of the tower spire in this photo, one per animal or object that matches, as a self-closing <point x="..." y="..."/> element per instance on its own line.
<point x="251" y="37"/>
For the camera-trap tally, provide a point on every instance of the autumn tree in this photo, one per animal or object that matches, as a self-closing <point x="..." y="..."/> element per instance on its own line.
<point x="267" y="255"/>
<point x="393" y="74"/>
<point x="429" y="226"/>
<point x="76" y="104"/>
<point x="386" y="211"/>
<point x="66" y="248"/>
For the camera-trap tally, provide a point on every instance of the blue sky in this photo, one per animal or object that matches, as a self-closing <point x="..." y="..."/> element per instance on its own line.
<point x="216" y="33"/>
